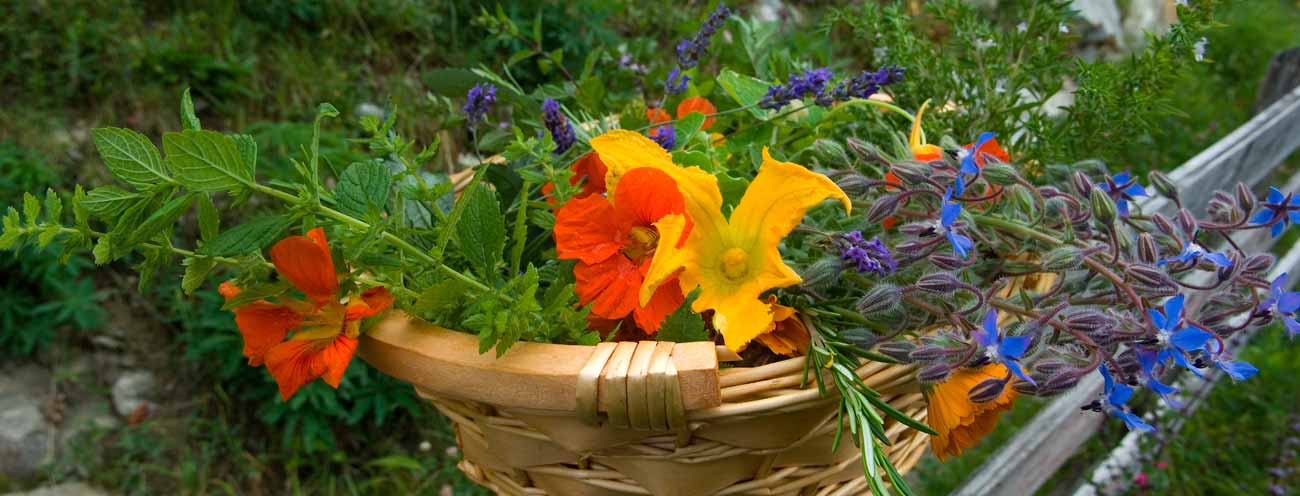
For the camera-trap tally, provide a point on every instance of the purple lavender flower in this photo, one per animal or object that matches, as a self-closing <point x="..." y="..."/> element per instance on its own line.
<point x="478" y="102"/>
<point x="866" y="256"/>
<point x="689" y="50"/>
<point x="558" y="125"/>
<point x="1122" y="189"/>
<point x="1116" y="396"/>
<point x="863" y="85"/>
<point x="811" y="82"/>
<point x="814" y="83"/>
<point x="672" y="85"/>
<point x="1279" y="209"/>
<point x="666" y="136"/>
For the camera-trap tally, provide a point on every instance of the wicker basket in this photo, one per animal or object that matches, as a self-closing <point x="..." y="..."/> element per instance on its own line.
<point x="645" y="418"/>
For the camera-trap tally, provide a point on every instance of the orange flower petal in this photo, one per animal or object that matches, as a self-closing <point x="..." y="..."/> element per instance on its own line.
<point x="787" y="335"/>
<point x="264" y="325"/>
<point x="228" y="290"/>
<point x="296" y="362"/>
<point x="665" y="301"/>
<point x="591" y="172"/>
<point x="371" y="302"/>
<point x="646" y="195"/>
<point x="306" y="263"/>
<point x="959" y="422"/>
<point x="610" y="286"/>
<point x="697" y="104"/>
<point x="891" y="178"/>
<point x="990" y="147"/>
<point x="587" y="229"/>
<point x="657" y="116"/>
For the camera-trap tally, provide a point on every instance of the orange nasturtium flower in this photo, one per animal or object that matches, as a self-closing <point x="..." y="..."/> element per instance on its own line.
<point x="589" y="171"/>
<point x="699" y="104"/>
<point x="732" y="260"/>
<point x="960" y="422"/>
<point x="614" y="243"/>
<point x="325" y="328"/>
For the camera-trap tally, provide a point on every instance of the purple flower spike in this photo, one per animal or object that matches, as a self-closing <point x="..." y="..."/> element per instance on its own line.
<point x="866" y="256"/>
<point x="666" y="136"/>
<point x="690" y="50"/>
<point x="478" y="102"/>
<point x="676" y="82"/>
<point x="559" y="126"/>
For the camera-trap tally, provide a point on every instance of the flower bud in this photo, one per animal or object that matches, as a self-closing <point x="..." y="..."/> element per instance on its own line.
<point x="1049" y="366"/>
<point x="1062" y="381"/>
<point x="1187" y="223"/>
<point x="1020" y="266"/>
<point x="853" y="184"/>
<point x="909" y="246"/>
<point x="946" y="261"/>
<point x="1227" y="273"/>
<point x="912" y="172"/>
<point x="987" y="390"/>
<point x="830" y="152"/>
<point x="1082" y="185"/>
<point x="1021" y="198"/>
<point x="1163" y="184"/>
<point x="1246" y="198"/>
<point x="1062" y="259"/>
<point x="821" y="273"/>
<point x="880" y="298"/>
<point x="1089" y="321"/>
<point x="862" y="337"/>
<point x="932" y="352"/>
<point x="916" y="229"/>
<point x="898" y="350"/>
<point x="1025" y="389"/>
<point x="939" y="282"/>
<point x="938" y="372"/>
<point x="1000" y="173"/>
<point x="1258" y="263"/>
<point x="1147" y="250"/>
<point x="883" y="207"/>
<point x="1150" y="276"/>
<point x="1103" y="207"/>
<point x="1163" y="224"/>
<point x="865" y="151"/>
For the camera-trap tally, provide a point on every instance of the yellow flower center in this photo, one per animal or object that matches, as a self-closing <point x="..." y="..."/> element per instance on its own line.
<point x="641" y="243"/>
<point x="735" y="263"/>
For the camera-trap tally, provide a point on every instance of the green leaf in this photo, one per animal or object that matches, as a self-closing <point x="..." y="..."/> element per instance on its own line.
<point x="209" y="218"/>
<point x="207" y="161"/>
<point x="362" y="189"/>
<point x="688" y="125"/>
<point x="246" y="238"/>
<point x="31" y="208"/>
<point x="733" y="188"/>
<point x="481" y="230"/>
<point x="188" y="119"/>
<point x="131" y="157"/>
<point x="47" y="236"/>
<point x="162" y="219"/>
<point x="79" y="212"/>
<point x="108" y="201"/>
<point x="196" y="271"/>
<point x="155" y="260"/>
<point x="247" y="149"/>
<point x="745" y="90"/>
<point x="397" y="462"/>
<point x="440" y="299"/>
<point x="682" y="326"/>
<point x="53" y="207"/>
<point x="103" y="251"/>
<point x="125" y="224"/>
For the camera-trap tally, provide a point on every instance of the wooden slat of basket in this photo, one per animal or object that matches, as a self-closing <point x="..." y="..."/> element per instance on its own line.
<point x="530" y="375"/>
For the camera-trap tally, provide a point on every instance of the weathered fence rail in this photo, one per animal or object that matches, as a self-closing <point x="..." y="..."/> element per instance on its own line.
<point x="1248" y="155"/>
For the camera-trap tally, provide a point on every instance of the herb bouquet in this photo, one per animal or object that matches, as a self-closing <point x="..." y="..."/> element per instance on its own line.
<point x="742" y="296"/>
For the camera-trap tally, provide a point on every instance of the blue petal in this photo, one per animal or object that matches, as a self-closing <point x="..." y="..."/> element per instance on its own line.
<point x="1219" y="259"/>
<point x="949" y="214"/>
<point x="1135" y="190"/>
<point x="1148" y="360"/>
<point x="1173" y="311"/>
<point x="1274" y="195"/>
<point x="1015" y="369"/>
<point x="1120" y="395"/>
<point x="1279" y="285"/>
<point x="991" y="324"/>
<point x="1277" y="229"/>
<point x="960" y="244"/>
<point x="1293" y="216"/>
<point x="1238" y="371"/>
<point x="1181" y="360"/>
<point x="1161" y="388"/>
<point x="960" y="186"/>
<point x="1288" y="302"/>
<point x="1190" y="338"/>
<point x="1292" y="327"/>
<point x="1157" y="318"/>
<point x="1134" y="422"/>
<point x="1110" y="381"/>
<point x="1123" y="207"/>
<point x="984" y="338"/>
<point x="1014" y="346"/>
<point x="1121" y="178"/>
<point x="1262" y="216"/>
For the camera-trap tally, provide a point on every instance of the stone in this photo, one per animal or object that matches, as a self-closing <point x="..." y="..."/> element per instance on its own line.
<point x="64" y="489"/>
<point x="26" y="438"/>
<point x="87" y="416"/>
<point x="132" y="390"/>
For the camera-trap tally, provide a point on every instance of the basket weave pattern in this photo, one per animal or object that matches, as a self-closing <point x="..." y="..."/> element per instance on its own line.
<point x="772" y="435"/>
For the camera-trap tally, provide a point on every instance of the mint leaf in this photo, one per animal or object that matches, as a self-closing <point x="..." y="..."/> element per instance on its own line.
<point x="196" y="271"/>
<point x="247" y="149"/>
<point x="481" y="231"/>
<point x="687" y="126"/>
<point x="246" y="238"/>
<point x="108" y="201"/>
<point x="362" y="189"/>
<point x="682" y="326"/>
<point x="188" y="119"/>
<point x="53" y="207"/>
<point x="744" y="90"/>
<point x="206" y="161"/>
<point x="131" y="157"/>
<point x="209" y="218"/>
<point x="161" y="219"/>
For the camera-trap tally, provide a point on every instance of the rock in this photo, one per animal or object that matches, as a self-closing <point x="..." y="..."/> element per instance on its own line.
<point x="133" y="390"/>
<point x="65" y="489"/>
<point x="86" y="416"/>
<point x="26" y="438"/>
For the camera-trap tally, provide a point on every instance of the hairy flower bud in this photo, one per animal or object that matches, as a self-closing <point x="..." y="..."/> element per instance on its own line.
<point x="1062" y="381"/>
<point x="1103" y="207"/>
<point x="865" y="151"/>
<point x="862" y="337"/>
<point x="1082" y="185"/>
<point x="934" y="373"/>
<point x="898" y="350"/>
<point x="1000" y="173"/>
<point x="1050" y="366"/>
<point x="910" y="246"/>
<point x="932" y="352"/>
<point x="1088" y="321"/>
<point x="1021" y="198"/>
<point x="880" y="298"/>
<point x="912" y="172"/>
<point x="1246" y="198"/>
<point x="1147" y="251"/>
<point x="1150" y="276"/>
<point x="1258" y="263"/>
<point x="1163" y="184"/>
<point x="830" y="152"/>
<point x="853" y="184"/>
<point x="1187" y="223"/>
<point x="987" y="390"/>
<point x="1228" y="272"/>
<point x="1062" y="259"/>
<point x="1163" y="224"/>
<point x="883" y="207"/>
<point x="946" y="261"/>
<point x="939" y="282"/>
<point x="821" y="273"/>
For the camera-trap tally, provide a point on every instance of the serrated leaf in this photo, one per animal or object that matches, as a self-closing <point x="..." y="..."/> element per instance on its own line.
<point x="247" y="237"/>
<point x="188" y="119"/>
<point x="247" y="149"/>
<point x="154" y="261"/>
<point x="103" y="251"/>
<point x="79" y="212"/>
<point x="688" y="125"/>
<point x="745" y="90"/>
<point x="125" y="224"/>
<point x="362" y="189"/>
<point x="47" y="236"/>
<point x="53" y="207"/>
<point x="162" y="219"/>
<point x="439" y="299"/>
<point x="206" y="161"/>
<point x="481" y="230"/>
<point x="682" y="326"/>
<point x="131" y="157"/>
<point x="109" y="201"/>
<point x="209" y="218"/>
<point x="31" y="208"/>
<point x="196" y="271"/>
<point x="542" y="218"/>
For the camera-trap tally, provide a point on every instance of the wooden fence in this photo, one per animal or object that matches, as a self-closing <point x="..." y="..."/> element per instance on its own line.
<point x="1248" y="155"/>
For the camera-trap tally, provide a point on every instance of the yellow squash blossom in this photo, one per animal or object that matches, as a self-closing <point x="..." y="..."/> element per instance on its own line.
<point x="732" y="260"/>
<point x="920" y="149"/>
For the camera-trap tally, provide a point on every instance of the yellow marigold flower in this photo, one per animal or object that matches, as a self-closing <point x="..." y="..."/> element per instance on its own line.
<point x="960" y="422"/>
<point x="732" y="260"/>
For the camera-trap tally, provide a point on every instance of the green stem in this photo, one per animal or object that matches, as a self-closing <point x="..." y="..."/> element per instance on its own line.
<point x="179" y="251"/>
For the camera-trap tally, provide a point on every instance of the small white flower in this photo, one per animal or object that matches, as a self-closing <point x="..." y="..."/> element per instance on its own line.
<point x="1199" y="49"/>
<point x="1181" y="2"/>
<point x="1022" y="27"/>
<point x="425" y="446"/>
<point x="1063" y="28"/>
<point x="984" y="43"/>
<point x="880" y="52"/>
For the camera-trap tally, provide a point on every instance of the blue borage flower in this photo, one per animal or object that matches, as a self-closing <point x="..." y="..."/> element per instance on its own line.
<point x="961" y="244"/>
<point x="1117" y="395"/>
<point x="1122" y="189"/>
<point x="969" y="164"/>
<point x="1004" y="350"/>
<point x="559" y="126"/>
<point x="1193" y="253"/>
<point x="1174" y="342"/>
<point x="1147" y="359"/>
<point x="866" y="256"/>
<point x="1279" y="209"/>
<point x="1238" y="371"/>
<point x="666" y="136"/>
<point x="1283" y="303"/>
<point x="478" y="102"/>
